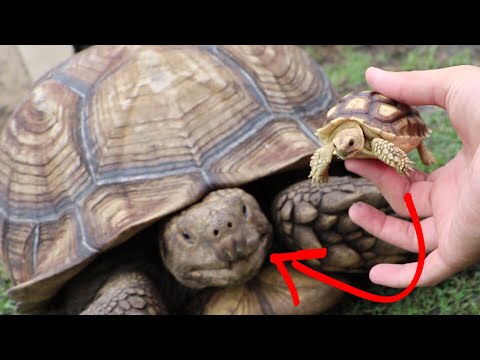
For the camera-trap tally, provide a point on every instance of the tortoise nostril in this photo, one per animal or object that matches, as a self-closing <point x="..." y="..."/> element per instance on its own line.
<point x="229" y="225"/>
<point x="240" y="252"/>
<point x="215" y="232"/>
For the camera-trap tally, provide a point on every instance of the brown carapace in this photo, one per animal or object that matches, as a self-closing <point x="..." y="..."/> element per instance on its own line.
<point x="119" y="137"/>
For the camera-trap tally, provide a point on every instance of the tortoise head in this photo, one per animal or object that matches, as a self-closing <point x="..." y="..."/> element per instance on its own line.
<point x="219" y="242"/>
<point x="348" y="140"/>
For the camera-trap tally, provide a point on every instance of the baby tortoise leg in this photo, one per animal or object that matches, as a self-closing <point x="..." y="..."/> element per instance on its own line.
<point x="127" y="293"/>
<point x="425" y="154"/>
<point x="319" y="164"/>
<point x="391" y="155"/>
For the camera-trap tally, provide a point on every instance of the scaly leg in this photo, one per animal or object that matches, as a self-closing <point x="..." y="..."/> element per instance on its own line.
<point x="391" y="155"/>
<point x="308" y="217"/>
<point x="319" y="164"/>
<point x="127" y="293"/>
<point x="425" y="155"/>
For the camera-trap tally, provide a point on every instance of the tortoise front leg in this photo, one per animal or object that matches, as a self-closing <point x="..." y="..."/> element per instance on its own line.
<point x="319" y="164"/>
<point x="267" y="294"/>
<point x="307" y="217"/>
<point x="391" y="155"/>
<point x="127" y="293"/>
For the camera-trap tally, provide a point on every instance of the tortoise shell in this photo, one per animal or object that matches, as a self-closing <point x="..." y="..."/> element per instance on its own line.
<point x="378" y="116"/>
<point x="118" y="137"/>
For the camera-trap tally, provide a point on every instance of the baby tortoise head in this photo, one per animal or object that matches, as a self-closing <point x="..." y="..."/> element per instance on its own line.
<point x="348" y="143"/>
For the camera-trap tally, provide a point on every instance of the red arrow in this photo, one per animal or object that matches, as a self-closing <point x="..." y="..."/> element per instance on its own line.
<point x="279" y="259"/>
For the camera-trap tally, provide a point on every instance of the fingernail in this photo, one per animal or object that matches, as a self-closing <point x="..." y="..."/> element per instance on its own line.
<point x="373" y="275"/>
<point x="358" y="204"/>
<point x="355" y="210"/>
<point x="374" y="70"/>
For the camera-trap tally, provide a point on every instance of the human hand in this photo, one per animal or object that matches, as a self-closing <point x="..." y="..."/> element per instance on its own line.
<point x="448" y="199"/>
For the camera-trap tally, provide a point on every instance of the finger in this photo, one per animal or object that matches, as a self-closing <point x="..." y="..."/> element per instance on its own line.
<point x="394" y="186"/>
<point x="429" y="87"/>
<point x="395" y="231"/>
<point x="400" y="276"/>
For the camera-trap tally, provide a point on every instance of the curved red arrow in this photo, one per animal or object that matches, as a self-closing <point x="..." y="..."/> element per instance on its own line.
<point x="279" y="259"/>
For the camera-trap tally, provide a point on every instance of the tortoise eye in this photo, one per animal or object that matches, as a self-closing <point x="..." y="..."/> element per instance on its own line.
<point x="244" y="210"/>
<point x="351" y="142"/>
<point x="187" y="237"/>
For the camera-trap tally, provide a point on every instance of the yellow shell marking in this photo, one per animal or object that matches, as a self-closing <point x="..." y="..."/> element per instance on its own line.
<point x="387" y="110"/>
<point x="331" y="111"/>
<point x="357" y="104"/>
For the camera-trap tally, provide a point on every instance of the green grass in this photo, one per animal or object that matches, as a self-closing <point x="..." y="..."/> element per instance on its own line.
<point x="424" y="58"/>
<point x="6" y="306"/>
<point x="347" y="68"/>
<point x="421" y="59"/>
<point x="458" y="295"/>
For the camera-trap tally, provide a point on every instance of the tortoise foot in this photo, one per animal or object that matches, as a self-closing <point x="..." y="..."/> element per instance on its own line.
<point x="308" y="217"/>
<point x="267" y="294"/>
<point x="127" y="293"/>
<point x="319" y="164"/>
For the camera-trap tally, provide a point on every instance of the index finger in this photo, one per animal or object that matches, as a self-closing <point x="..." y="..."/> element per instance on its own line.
<point x="394" y="186"/>
<point x="427" y="87"/>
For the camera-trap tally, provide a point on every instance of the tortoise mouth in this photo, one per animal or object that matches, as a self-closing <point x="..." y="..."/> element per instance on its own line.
<point x="347" y="155"/>
<point x="223" y="273"/>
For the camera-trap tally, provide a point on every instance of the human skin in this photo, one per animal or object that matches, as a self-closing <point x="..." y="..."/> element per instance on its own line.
<point x="448" y="199"/>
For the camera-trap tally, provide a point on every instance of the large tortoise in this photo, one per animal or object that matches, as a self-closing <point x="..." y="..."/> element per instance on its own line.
<point x="118" y="138"/>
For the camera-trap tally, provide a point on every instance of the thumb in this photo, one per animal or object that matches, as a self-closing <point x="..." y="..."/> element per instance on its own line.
<point x="428" y="87"/>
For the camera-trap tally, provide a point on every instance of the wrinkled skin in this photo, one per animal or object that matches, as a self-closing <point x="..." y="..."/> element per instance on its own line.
<point x="221" y="241"/>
